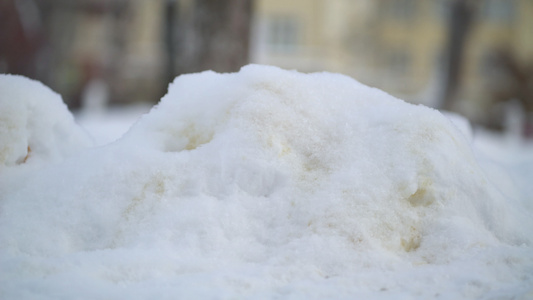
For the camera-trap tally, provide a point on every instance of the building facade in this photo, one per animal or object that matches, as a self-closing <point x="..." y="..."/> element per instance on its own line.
<point x="396" y="45"/>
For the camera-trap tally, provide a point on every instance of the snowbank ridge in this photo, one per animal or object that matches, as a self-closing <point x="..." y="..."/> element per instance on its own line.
<point x="264" y="178"/>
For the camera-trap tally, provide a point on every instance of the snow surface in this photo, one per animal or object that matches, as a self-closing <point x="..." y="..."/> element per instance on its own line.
<point x="262" y="184"/>
<point x="108" y="125"/>
<point x="35" y="124"/>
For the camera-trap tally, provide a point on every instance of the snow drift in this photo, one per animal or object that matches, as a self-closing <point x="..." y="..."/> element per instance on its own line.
<point x="35" y="124"/>
<point x="260" y="183"/>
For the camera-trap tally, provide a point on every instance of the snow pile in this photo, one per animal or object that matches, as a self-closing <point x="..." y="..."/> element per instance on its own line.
<point x="267" y="183"/>
<point x="35" y="124"/>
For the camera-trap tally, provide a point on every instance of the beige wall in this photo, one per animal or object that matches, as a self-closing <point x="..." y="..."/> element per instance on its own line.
<point x="369" y="40"/>
<point x="321" y="28"/>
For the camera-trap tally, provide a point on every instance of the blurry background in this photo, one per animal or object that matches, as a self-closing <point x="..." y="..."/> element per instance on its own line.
<point x="471" y="57"/>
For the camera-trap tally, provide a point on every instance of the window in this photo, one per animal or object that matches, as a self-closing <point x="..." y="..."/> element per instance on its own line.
<point x="283" y="33"/>
<point x="399" y="62"/>
<point x="442" y="9"/>
<point x="402" y="9"/>
<point x="499" y="10"/>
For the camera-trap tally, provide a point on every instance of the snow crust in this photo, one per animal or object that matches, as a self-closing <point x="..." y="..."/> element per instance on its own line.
<point x="264" y="183"/>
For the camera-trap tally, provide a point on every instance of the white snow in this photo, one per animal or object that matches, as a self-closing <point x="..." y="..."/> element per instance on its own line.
<point x="263" y="184"/>
<point x="35" y="124"/>
<point x="108" y="125"/>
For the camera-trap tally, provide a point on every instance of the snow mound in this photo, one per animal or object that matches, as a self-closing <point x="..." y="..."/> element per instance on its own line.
<point x="268" y="180"/>
<point x="336" y="158"/>
<point x="35" y="124"/>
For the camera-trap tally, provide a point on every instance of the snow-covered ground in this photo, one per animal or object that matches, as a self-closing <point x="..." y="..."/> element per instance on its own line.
<point x="106" y="126"/>
<point x="259" y="184"/>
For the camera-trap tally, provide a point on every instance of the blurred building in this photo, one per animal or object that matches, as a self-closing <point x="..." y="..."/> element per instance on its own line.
<point x="134" y="46"/>
<point x="395" y="45"/>
<point x="111" y="41"/>
<point x="117" y="41"/>
<point x="137" y="46"/>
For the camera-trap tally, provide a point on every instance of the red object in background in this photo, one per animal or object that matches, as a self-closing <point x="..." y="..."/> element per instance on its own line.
<point x="20" y="38"/>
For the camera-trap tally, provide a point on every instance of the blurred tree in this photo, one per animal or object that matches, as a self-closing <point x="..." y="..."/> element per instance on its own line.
<point x="519" y="85"/>
<point x="460" y="23"/>
<point x="170" y="38"/>
<point x="512" y="80"/>
<point x="215" y="36"/>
